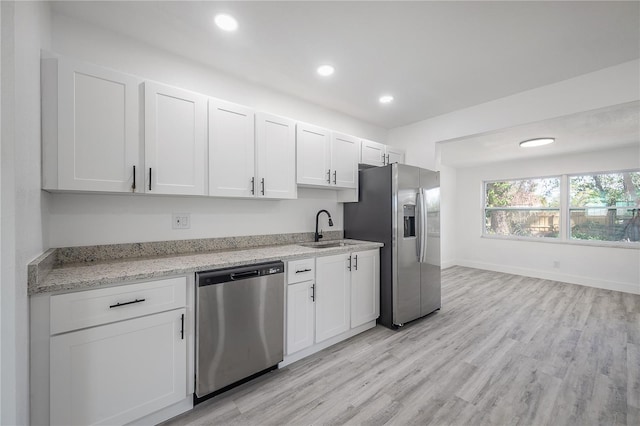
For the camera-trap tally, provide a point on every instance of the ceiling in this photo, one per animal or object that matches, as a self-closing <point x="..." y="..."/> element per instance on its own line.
<point x="613" y="127"/>
<point x="433" y="57"/>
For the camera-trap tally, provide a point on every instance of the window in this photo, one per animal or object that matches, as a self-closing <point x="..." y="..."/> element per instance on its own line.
<point x="523" y="208"/>
<point x="605" y="206"/>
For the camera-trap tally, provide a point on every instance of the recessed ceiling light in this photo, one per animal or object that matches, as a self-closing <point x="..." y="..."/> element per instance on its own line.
<point x="536" y="142"/>
<point x="226" y="22"/>
<point x="325" y="70"/>
<point x="385" y="99"/>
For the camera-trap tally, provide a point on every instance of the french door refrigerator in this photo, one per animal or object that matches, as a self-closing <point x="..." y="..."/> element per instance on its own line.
<point x="399" y="205"/>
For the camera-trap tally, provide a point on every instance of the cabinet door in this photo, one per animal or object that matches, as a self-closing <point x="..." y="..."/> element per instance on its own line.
<point x="276" y="157"/>
<point x="175" y="140"/>
<point x="313" y="146"/>
<point x="332" y="296"/>
<point x="372" y="153"/>
<point x="344" y="161"/>
<point x="117" y="373"/>
<point x="365" y="287"/>
<point x="231" y="150"/>
<point x="395" y="155"/>
<point x="98" y="141"/>
<point x="300" y="316"/>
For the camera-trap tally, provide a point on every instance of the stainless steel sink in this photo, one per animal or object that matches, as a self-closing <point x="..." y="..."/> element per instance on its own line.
<point x="328" y="244"/>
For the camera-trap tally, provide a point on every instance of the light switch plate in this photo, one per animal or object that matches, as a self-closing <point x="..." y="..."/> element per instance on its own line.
<point x="181" y="220"/>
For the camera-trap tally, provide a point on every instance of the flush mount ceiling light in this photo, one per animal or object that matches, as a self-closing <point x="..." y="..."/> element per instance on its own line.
<point x="385" y="99"/>
<point x="536" y="142"/>
<point x="226" y="22"/>
<point x="325" y="70"/>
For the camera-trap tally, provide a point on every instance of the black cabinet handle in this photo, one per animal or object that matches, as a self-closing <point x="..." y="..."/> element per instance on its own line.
<point x="349" y="267"/>
<point x="149" y="178"/>
<point x="133" y="187"/>
<point x="313" y="292"/>
<point x="117" y="305"/>
<point x="329" y="176"/>
<point x="335" y="173"/>
<point x="262" y="182"/>
<point x="355" y="265"/>
<point x="182" y="327"/>
<point x="303" y="270"/>
<point x="253" y="185"/>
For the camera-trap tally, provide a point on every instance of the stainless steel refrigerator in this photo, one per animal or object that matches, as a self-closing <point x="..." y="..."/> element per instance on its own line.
<point x="399" y="205"/>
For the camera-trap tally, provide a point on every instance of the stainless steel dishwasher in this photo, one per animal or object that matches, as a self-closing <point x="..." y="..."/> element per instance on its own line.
<point x="239" y="325"/>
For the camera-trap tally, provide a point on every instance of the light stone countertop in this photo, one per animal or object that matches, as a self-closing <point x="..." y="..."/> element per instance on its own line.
<point x="82" y="276"/>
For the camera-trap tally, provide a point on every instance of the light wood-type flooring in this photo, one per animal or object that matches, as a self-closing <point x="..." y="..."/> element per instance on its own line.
<point x="504" y="350"/>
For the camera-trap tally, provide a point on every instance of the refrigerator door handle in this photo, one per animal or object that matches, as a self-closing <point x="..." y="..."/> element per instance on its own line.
<point x="422" y="230"/>
<point x="418" y="223"/>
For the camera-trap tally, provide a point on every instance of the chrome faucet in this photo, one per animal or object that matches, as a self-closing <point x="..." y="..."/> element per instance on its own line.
<point x="319" y="235"/>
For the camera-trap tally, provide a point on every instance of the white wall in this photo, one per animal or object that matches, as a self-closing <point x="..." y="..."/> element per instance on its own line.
<point x="25" y="30"/>
<point x="610" y="86"/>
<point x="86" y="219"/>
<point x="77" y="219"/>
<point x="604" y="267"/>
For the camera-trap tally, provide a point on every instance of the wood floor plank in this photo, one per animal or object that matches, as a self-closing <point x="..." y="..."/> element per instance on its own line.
<point x="504" y="349"/>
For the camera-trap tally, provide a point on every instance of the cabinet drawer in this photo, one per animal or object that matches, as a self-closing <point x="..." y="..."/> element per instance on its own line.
<point x="89" y="308"/>
<point x="301" y="270"/>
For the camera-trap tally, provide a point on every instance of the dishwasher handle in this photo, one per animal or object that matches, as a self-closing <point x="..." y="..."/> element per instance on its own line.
<point x="243" y="275"/>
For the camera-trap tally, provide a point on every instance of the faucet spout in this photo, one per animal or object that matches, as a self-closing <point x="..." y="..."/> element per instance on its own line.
<point x="318" y="235"/>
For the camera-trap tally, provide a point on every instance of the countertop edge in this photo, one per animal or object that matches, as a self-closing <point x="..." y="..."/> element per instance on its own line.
<point x="73" y="278"/>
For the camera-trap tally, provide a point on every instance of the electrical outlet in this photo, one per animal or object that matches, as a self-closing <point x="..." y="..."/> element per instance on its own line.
<point x="181" y="221"/>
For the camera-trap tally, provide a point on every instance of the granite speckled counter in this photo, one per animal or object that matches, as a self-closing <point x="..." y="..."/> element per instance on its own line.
<point x="48" y="273"/>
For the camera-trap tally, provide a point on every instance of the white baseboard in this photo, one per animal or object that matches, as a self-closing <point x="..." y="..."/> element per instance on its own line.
<point x="553" y="276"/>
<point x="166" y="413"/>
<point x="289" y="359"/>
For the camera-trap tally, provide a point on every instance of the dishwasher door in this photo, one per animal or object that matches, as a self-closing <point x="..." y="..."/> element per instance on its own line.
<point x="240" y="324"/>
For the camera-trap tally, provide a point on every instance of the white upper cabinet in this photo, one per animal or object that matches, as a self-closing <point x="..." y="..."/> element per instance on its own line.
<point x="90" y="127"/>
<point x="313" y="155"/>
<point x="372" y="153"/>
<point x="175" y="140"/>
<point x="377" y="154"/>
<point x="231" y="150"/>
<point x="344" y="160"/>
<point x="395" y="155"/>
<point x="275" y="157"/>
<point x="326" y="158"/>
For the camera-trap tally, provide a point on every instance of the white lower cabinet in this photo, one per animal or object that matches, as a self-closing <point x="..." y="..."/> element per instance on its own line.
<point x="300" y="316"/>
<point x="117" y="373"/>
<point x="332" y="296"/>
<point x="339" y="297"/>
<point x="119" y="354"/>
<point x="365" y="287"/>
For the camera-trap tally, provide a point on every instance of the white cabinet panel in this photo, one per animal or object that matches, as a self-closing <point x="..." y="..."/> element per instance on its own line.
<point x="365" y="287"/>
<point x="91" y="138"/>
<point x="344" y="161"/>
<point x="117" y="373"/>
<point x="300" y="316"/>
<point x="395" y="155"/>
<point x="275" y="157"/>
<point x="81" y="309"/>
<point x="372" y="153"/>
<point x="231" y="150"/>
<point x="332" y="296"/>
<point x="301" y="270"/>
<point x="313" y="145"/>
<point x="175" y="140"/>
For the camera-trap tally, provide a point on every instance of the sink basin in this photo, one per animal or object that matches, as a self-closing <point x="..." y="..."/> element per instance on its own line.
<point x="327" y="244"/>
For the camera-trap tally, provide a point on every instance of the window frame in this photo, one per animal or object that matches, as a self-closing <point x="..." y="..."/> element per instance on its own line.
<point x="564" y="234"/>
<point x="567" y="222"/>
<point x="484" y="208"/>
